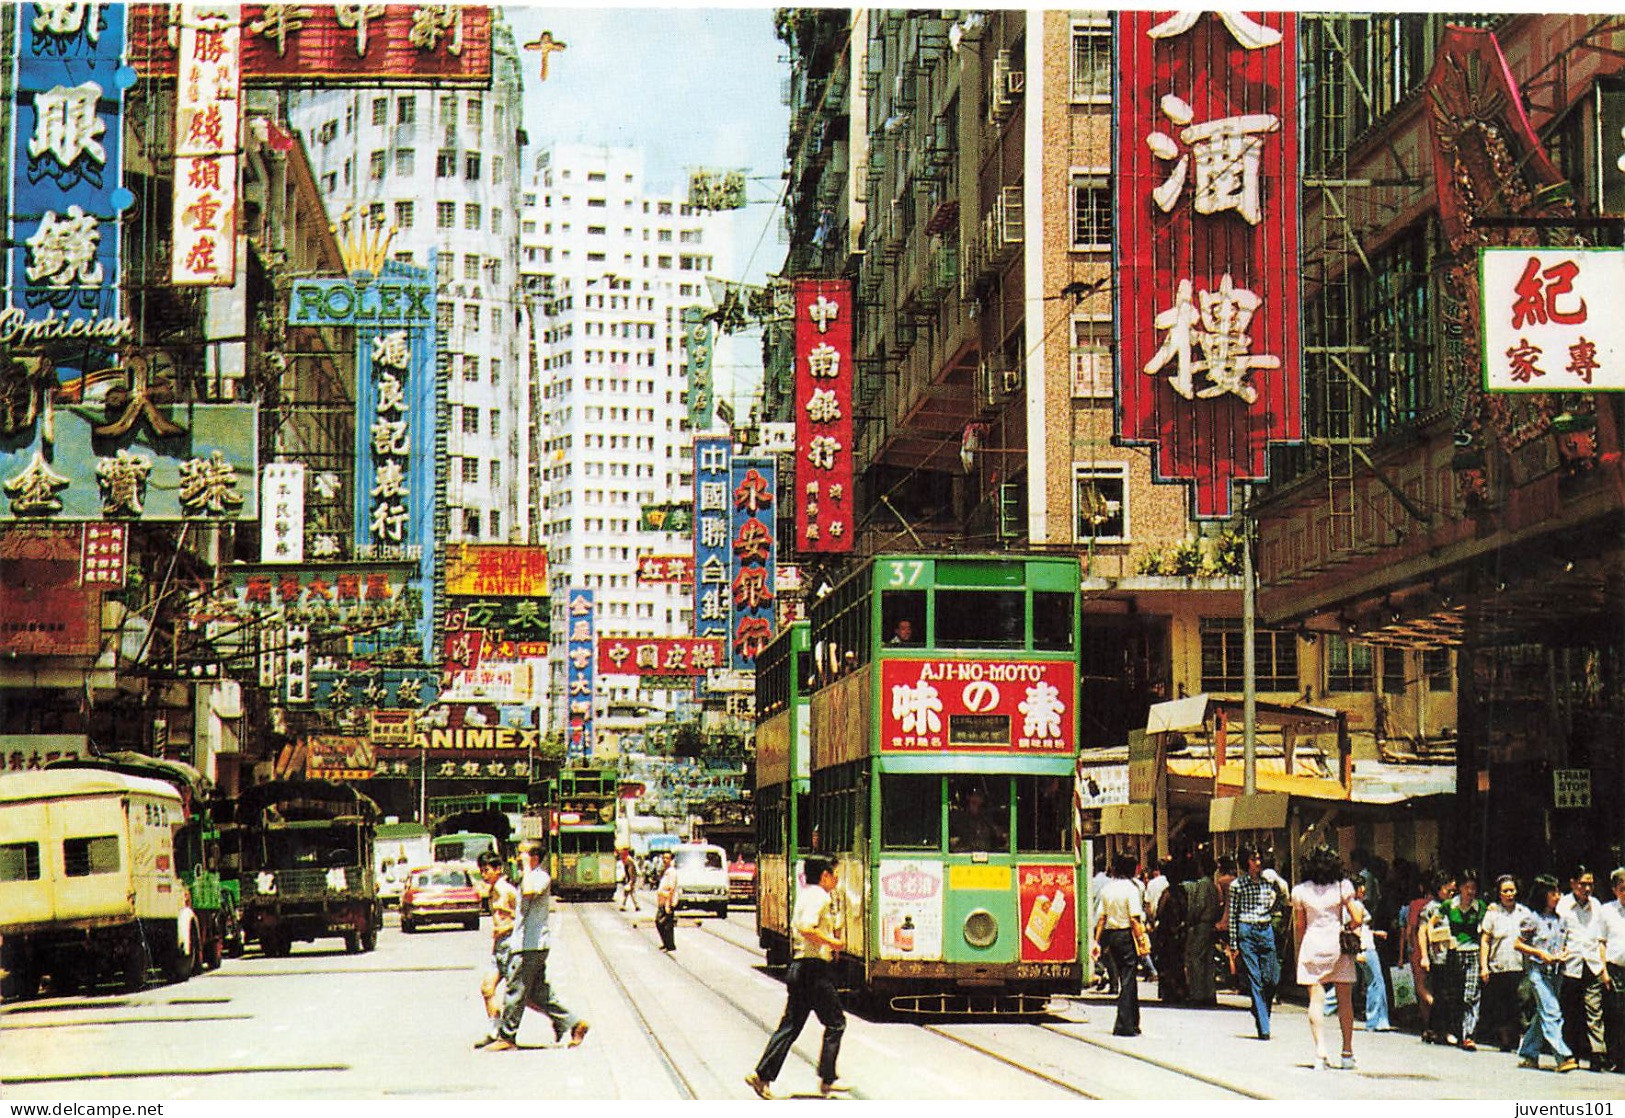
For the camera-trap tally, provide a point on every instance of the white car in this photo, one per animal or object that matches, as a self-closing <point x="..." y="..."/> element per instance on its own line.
<point x="702" y="877"/>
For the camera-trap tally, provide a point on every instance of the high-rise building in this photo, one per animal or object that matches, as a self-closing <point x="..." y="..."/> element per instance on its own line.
<point x="440" y="171"/>
<point x="610" y="265"/>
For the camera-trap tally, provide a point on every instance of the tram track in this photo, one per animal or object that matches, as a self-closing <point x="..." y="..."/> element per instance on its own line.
<point x="1015" y="1063"/>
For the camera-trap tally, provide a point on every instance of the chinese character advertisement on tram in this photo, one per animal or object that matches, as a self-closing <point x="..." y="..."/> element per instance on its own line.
<point x="1207" y="244"/>
<point x="1547" y="319"/>
<point x="1019" y="706"/>
<point x="752" y="545"/>
<point x="823" y="416"/>
<point x="1048" y="896"/>
<point x="909" y="899"/>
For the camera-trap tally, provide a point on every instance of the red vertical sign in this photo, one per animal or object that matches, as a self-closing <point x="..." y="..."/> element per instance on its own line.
<point x="1207" y="219"/>
<point x="824" y="520"/>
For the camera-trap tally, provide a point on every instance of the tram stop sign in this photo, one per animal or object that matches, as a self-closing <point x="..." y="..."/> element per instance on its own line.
<point x="1571" y="788"/>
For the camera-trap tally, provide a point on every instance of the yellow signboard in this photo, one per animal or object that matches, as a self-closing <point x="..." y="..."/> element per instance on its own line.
<point x="496" y="570"/>
<point x="978" y="877"/>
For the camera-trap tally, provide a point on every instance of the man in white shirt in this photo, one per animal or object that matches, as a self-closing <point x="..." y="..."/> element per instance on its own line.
<point x="1612" y="941"/>
<point x="527" y="962"/>
<point x="815" y="940"/>
<point x="1120" y="923"/>
<point x="1581" y="994"/>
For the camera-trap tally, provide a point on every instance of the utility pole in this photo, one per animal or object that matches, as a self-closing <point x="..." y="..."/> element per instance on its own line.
<point x="1249" y="625"/>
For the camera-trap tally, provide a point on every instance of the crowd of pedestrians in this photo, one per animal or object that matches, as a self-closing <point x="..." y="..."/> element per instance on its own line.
<point x="1532" y="967"/>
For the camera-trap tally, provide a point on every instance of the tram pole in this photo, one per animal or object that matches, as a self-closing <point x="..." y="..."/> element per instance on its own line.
<point x="1249" y="674"/>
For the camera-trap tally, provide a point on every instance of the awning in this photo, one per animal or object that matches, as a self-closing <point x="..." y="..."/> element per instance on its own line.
<point x="1191" y="714"/>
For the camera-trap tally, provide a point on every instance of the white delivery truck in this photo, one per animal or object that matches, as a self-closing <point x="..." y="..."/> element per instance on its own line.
<point x="400" y="848"/>
<point x="88" y="881"/>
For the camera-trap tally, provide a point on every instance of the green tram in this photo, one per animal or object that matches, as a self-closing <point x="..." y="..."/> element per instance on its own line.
<point x="579" y="805"/>
<point x="934" y="757"/>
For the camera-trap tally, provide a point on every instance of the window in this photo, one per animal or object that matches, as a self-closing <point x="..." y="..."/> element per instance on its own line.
<point x="380" y="111"/>
<point x="1043" y="814"/>
<point x="496" y="473"/>
<point x="471" y="471"/>
<point x="405" y="161"/>
<point x="403" y="215"/>
<point x="471" y="421"/>
<point x="406" y="110"/>
<point x="496" y="422"/>
<point x="19" y="861"/>
<point x="448" y="108"/>
<point x="1100" y="502"/>
<point x="445" y="215"/>
<point x="978" y="810"/>
<point x="330" y="182"/>
<point x="475" y="111"/>
<point x="496" y="369"/>
<point x="1348" y="664"/>
<point x="1275" y="656"/>
<point x="376" y="164"/>
<point x="471" y="523"/>
<point x="1091" y="211"/>
<point x="1393" y="671"/>
<point x="1091" y="61"/>
<point x="84" y="857"/>
<point x="493" y="520"/>
<point x="471" y="367"/>
<point x="471" y="317"/>
<point x="375" y="214"/>
<point x="498" y="168"/>
<point x="471" y="268"/>
<point x="1436" y="666"/>
<point x="1091" y="356"/>
<point x="595" y="231"/>
<point x="471" y="166"/>
<point x="496" y="219"/>
<point x="445" y="163"/>
<point x="980" y="618"/>
<point x="471" y="215"/>
<point x="1052" y="620"/>
<point x="910" y="811"/>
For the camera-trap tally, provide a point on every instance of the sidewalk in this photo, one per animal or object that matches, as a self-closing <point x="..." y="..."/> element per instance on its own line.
<point x="1222" y="1046"/>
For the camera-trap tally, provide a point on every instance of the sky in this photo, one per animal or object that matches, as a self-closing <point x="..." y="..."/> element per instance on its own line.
<point x="691" y="86"/>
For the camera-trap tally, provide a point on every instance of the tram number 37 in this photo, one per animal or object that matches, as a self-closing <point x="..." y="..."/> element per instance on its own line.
<point x="905" y="573"/>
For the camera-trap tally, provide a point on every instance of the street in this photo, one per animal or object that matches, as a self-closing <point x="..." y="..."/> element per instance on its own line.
<point x="400" y="1024"/>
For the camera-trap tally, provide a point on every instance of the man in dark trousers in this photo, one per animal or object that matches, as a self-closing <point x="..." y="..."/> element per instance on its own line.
<point x="666" y="904"/>
<point x="816" y="939"/>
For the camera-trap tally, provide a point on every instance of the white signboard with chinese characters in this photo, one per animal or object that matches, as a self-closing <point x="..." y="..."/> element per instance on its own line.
<point x="910" y="900"/>
<point x="282" y="522"/>
<point x="206" y="127"/>
<point x="1551" y="319"/>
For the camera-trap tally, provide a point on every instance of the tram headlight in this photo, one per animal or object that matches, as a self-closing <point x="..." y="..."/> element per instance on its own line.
<point x="981" y="929"/>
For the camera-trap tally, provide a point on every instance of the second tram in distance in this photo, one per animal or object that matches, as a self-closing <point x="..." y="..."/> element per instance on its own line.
<point x="923" y="730"/>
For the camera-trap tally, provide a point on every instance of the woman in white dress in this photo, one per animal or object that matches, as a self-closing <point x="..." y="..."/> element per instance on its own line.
<point x="1322" y="905"/>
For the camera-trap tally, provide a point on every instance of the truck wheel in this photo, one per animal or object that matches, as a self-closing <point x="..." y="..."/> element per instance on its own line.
<point x="352" y="942"/>
<point x="369" y="936"/>
<point x="408" y="925"/>
<point x="214" y="949"/>
<point x="178" y="960"/>
<point x="472" y="924"/>
<point x="136" y="960"/>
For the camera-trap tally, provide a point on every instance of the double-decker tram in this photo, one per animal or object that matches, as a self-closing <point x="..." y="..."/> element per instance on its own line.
<point x="579" y="806"/>
<point x="784" y="673"/>
<point x="940" y="747"/>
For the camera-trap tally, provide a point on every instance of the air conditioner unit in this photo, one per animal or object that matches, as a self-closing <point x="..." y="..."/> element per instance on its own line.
<point x="1015" y="83"/>
<point x="1000" y="103"/>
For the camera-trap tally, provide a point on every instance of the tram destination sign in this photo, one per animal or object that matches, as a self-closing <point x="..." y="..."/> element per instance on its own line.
<point x="1009" y="706"/>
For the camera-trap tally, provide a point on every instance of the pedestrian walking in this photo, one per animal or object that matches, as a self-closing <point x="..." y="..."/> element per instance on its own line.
<point x="1168" y="946"/>
<point x="1500" y="966"/>
<point x="1250" y="910"/>
<point x="1433" y="946"/>
<point x="1582" y="989"/>
<point x="1612" y="941"/>
<point x="666" y="904"/>
<point x="1369" y="964"/>
<point x="1323" y="905"/>
<point x="629" y="881"/>
<point x="1456" y="975"/>
<point x="1206" y="917"/>
<point x="1120" y="923"/>
<point x="1540" y="942"/>
<point x="504" y="901"/>
<point x="528" y="945"/>
<point x="816" y="939"/>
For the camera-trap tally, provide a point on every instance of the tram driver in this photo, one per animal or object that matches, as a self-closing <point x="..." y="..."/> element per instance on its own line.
<point x="970" y="825"/>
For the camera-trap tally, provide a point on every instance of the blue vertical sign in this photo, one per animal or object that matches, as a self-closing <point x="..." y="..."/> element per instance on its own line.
<point x="713" y="477"/>
<point x="67" y="189"/>
<point x="752" y="567"/>
<point x="581" y="657"/>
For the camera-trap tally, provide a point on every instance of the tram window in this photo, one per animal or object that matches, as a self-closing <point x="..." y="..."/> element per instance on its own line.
<point x="902" y="616"/>
<point x="910" y="811"/>
<point x="1052" y="621"/>
<point x="980" y="618"/>
<point x="978" y="813"/>
<point x="19" y="861"/>
<point x="1043" y="813"/>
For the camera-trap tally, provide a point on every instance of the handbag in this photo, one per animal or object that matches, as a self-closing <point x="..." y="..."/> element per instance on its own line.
<point x="1348" y="941"/>
<point x="1142" y="941"/>
<point x="1403" y="983"/>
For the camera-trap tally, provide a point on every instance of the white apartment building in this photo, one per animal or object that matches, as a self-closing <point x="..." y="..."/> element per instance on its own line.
<point x="441" y="168"/>
<point x="611" y="266"/>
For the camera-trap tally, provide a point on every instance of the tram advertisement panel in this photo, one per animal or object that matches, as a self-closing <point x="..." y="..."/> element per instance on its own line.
<point x="999" y="706"/>
<point x="909" y="899"/>
<point x="1049" y="913"/>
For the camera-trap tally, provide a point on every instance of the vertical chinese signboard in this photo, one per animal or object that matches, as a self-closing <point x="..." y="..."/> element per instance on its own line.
<point x="66" y="192"/>
<point x="578" y="675"/>
<point x="282" y="529"/>
<point x="713" y="604"/>
<point x="699" y="341"/>
<point x="1207" y="248"/>
<point x="823" y="415"/>
<point x="1548" y="319"/>
<point x="751" y="586"/>
<point x="206" y="130"/>
<point x="393" y="315"/>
